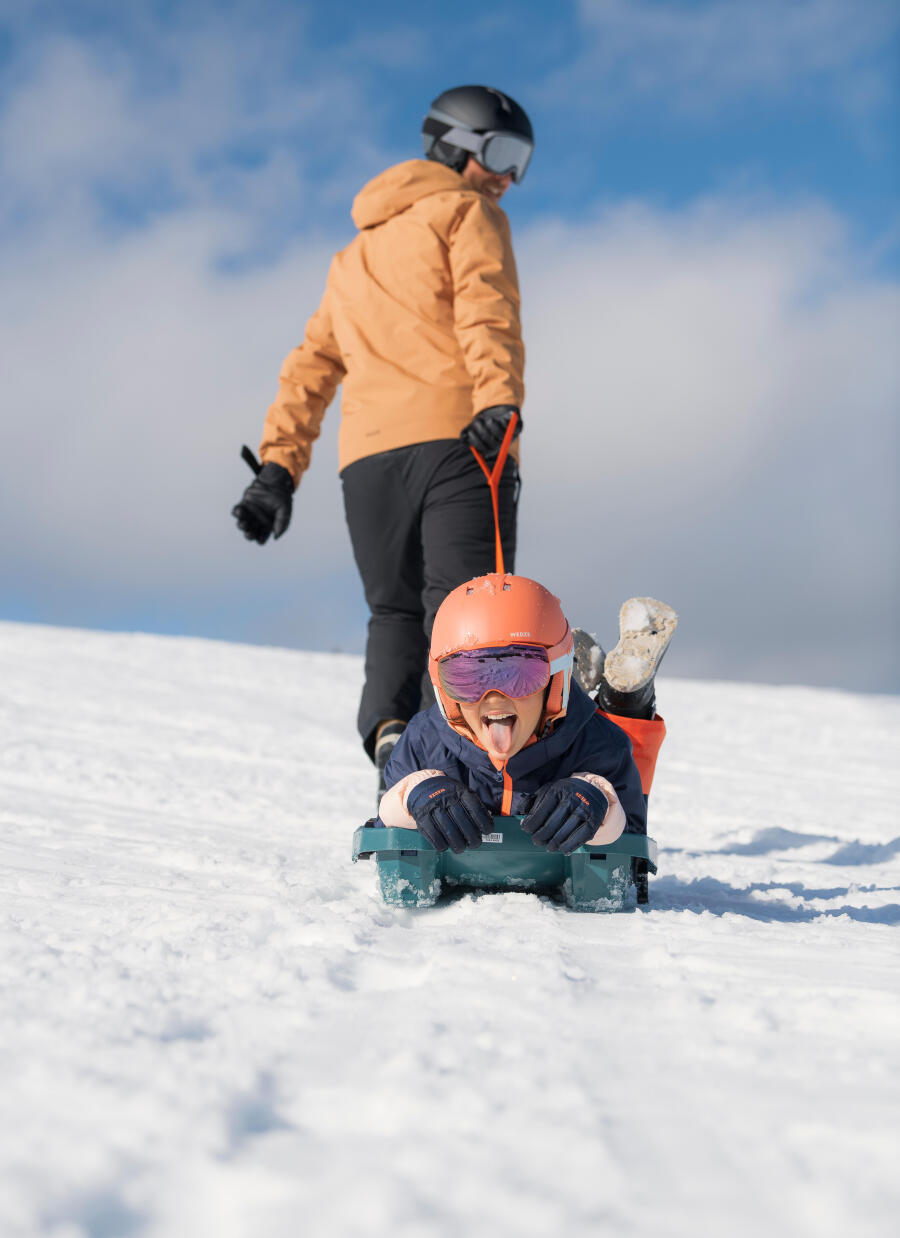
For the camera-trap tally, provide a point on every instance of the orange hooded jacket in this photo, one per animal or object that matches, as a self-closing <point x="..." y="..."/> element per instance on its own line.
<point x="419" y="320"/>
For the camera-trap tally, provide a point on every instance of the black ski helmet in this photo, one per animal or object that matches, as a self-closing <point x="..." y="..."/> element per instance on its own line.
<point x="463" y="116"/>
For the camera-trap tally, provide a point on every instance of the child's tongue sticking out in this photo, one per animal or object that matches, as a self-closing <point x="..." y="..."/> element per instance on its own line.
<point x="501" y="731"/>
<point x="501" y="725"/>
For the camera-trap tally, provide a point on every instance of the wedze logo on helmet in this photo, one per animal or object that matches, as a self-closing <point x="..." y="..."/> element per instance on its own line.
<point x="479" y="121"/>
<point x="476" y="649"/>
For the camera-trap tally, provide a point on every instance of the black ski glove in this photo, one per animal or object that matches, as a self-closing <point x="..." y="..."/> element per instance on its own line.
<point x="265" y="507"/>
<point x="448" y="814"/>
<point x="485" y="432"/>
<point x="565" y="814"/>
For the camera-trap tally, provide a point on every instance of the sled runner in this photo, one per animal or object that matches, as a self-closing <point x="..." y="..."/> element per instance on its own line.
<point x="412" y="874"/>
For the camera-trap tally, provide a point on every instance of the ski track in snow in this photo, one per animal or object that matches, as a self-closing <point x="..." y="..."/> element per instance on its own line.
<point x="210" y="1024"/>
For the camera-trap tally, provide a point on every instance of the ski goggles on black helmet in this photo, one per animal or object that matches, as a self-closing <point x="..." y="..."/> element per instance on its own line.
<point x="501" y="152"/>
<point x="515" y="670"/>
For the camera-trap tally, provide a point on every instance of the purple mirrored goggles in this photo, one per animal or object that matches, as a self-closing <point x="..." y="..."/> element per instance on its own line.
<point x="515" y="670"/>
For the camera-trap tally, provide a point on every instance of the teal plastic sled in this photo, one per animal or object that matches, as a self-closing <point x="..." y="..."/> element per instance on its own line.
<point x="412" y="874"/>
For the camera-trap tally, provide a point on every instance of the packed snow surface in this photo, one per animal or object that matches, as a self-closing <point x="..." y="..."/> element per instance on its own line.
<point x="211" y="1025"/>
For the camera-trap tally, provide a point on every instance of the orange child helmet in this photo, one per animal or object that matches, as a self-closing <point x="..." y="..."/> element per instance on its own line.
<point x="496" y="610"/>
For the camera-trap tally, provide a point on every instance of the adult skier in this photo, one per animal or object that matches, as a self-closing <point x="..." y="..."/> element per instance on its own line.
<point x="420" y="322"/>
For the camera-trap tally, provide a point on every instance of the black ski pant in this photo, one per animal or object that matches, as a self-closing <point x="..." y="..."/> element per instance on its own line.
<point x="421" y="523"/>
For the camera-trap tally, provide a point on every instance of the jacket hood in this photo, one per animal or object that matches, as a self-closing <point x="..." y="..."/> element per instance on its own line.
<point x="399" y="187"/>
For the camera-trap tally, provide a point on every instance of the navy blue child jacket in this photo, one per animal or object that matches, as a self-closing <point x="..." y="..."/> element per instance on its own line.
<point x="583" y="742"/>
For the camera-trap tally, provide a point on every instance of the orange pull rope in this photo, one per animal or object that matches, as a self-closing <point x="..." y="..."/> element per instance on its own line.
<point x="492" y="476"/>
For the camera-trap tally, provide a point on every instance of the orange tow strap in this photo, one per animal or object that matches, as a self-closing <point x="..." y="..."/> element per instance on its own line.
<point x="492" y="476"/>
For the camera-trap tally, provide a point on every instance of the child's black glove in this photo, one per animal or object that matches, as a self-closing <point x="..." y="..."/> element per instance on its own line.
<point x="565" y="814"/>
<point x="486" y="430"/>
<point x="448" y="814"/>
<point x="265" y="507"/>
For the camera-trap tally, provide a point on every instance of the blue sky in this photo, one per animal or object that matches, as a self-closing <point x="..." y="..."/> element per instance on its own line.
<point x="659" y="100"/>
<point x="708" y="248"/>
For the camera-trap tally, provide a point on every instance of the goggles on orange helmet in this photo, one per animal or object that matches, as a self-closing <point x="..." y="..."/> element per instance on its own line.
<point x="516" y="671"/>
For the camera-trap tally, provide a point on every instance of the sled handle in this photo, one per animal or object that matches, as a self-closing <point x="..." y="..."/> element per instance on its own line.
<point x="492" y="477"/>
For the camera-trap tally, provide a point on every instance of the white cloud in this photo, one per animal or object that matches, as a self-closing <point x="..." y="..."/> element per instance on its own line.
<point x="71" y="119"/>
<point x="712" y="401"/>
<point x="139" y="371"/>
<point x="182" y="116"/>
<point x="711" y="396"/>
<point x="682" y="315"/>
<point x="693" y="54"/>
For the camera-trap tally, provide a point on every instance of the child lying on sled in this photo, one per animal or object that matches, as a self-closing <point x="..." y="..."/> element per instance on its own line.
<point x="511" y="733"/>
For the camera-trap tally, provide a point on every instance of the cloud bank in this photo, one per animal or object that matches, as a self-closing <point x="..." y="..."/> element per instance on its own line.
<point x="710" y="418"/>
<point x="693" y="56"/>
<point x="712" y="398"/>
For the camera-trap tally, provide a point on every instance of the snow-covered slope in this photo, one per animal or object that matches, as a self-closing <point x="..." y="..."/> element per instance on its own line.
<point x="210" y="1025"/>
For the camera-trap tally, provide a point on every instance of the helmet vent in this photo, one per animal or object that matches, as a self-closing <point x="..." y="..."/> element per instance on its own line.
<point x="501" y="99"/>
<point x="506" y="586"/>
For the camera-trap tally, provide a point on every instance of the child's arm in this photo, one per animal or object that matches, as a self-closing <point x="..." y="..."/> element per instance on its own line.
<point x="405" y="769"/>
<point x="570" y="812"/>
<point x="392" y="809"/>
<point x="429" y="800"/>
<point x="447" y="813"/>
<point x="613" y="824"/>
<point x="615" y="764"/>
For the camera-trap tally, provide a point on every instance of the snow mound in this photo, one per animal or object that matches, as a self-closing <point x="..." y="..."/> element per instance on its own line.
<point x="211" y="1025"/>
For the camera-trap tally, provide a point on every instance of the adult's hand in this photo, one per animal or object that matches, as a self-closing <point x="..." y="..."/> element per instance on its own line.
<point x="448" y="814"/>
<point x="485" y="431"/>
<point x="265" y="508"/>
<point x="565" y="814"/>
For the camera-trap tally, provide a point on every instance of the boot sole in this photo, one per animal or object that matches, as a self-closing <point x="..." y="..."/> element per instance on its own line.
<point x="645" y="628"/>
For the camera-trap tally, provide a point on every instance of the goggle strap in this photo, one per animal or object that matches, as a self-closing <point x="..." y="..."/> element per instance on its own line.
<point x="564" y="662"/>
<point x="472" y="142"/>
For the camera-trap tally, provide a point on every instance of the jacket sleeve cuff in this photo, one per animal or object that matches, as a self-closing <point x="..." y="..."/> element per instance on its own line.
<point x="287" y="460"/>
<point x="613" y="823"/>
<point x="392" y="809"/>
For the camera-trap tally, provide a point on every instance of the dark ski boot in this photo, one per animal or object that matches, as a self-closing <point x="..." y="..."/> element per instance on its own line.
<point x="385" y="738"/>
<point x="589" y="659"/>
